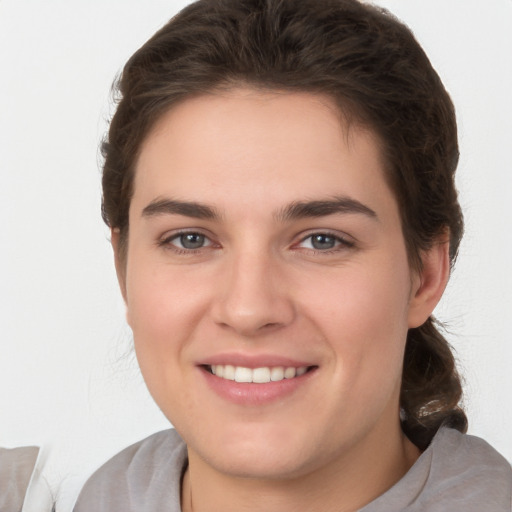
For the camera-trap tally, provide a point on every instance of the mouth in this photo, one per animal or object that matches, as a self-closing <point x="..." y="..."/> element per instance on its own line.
<point x="262" y="375"/>
<point x="258" y="380"/>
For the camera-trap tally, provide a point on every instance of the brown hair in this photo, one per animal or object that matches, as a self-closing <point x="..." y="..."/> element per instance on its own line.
<point x="372" y="66"/>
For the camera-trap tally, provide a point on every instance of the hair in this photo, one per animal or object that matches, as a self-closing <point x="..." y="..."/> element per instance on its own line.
<point x="370" y="64"/>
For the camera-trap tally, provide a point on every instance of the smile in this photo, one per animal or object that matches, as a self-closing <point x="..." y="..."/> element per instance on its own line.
<point x="257" y="375"/>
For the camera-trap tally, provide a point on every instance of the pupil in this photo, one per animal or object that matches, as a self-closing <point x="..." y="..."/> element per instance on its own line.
<point x="192" y="240"/>
<point x="323" y="242"/>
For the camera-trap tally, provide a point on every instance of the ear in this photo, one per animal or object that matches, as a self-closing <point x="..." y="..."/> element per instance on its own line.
<point x="430" y="281"/>
<point x="119" y="260"/>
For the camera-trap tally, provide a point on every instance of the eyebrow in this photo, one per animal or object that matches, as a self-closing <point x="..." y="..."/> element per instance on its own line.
<point x="175" y="207"/>
<point x="293" y="211"/>
<point x="321" y="208"/>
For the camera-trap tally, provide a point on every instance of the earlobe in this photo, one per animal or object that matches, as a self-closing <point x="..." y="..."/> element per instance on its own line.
<point x="119" y="260"/>
<point x="430" y="282"/>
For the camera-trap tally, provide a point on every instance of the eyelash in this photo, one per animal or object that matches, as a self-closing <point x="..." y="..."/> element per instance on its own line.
<point x="341" y="242"/>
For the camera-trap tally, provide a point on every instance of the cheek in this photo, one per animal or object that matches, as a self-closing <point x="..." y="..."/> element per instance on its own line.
<point x="364" y="316"/>
<point x="366" y="298"/>
<point x="161" y="300"/>
<point x="163" y="309"/>
<point x="162" y="312"/>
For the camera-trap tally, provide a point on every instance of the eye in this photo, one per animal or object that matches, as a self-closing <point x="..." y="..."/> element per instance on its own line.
<point x="188" y="241"/>
<point x="192" y="240"/>
<point x="324" y="242"/>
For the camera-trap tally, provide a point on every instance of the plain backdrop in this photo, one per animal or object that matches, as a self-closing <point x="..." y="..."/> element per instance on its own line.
<point x="68" y="378"/>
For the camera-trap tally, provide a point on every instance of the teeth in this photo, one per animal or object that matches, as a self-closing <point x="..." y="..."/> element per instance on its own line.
<point x="289" y="373"/>
<point x="228" y="372"/>
<point x="257" y="375"/>
<point x="277" y="373"/>
<point x="261" y="375"/>
<point x="243" y="374"/>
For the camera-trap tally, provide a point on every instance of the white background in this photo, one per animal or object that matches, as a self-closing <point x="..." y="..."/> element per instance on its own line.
<point x="68" y="378"/>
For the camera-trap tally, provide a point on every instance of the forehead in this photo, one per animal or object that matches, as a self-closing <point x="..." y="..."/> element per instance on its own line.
<point x="262" y="145"/>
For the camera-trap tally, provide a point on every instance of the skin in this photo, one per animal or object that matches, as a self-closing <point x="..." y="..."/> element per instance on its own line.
<point x="258" y="286"/>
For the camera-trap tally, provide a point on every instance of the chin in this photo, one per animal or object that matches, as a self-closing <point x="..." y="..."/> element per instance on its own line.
<point x="262" y="465"/>
<point x="260" y="453"/>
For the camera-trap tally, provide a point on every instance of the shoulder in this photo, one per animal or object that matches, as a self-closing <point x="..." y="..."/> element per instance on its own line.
<point x="16" y="467"/>
<point x="469" y="458"/>
<point x="467" y="470"/>
<point x="456" y="472"/>
<point x="468" y="445"/>
<point x="144" y="476"/>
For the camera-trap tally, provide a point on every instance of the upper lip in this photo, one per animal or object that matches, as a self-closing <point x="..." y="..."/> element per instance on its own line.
<point x="254" y="361"/>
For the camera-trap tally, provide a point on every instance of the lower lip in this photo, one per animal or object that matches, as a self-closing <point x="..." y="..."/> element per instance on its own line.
<point x="251" y="393"/>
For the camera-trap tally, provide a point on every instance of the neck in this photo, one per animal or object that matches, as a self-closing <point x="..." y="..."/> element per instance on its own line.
<point x="345" y="484"/>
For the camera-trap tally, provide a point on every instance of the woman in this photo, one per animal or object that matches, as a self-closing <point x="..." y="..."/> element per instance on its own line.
<point x="279" y="182"/>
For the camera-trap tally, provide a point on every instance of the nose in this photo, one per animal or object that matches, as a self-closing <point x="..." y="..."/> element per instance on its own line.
<point x="253" y="297"/>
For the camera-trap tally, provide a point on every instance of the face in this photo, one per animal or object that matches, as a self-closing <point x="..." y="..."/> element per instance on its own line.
<point x="267" y="282"/>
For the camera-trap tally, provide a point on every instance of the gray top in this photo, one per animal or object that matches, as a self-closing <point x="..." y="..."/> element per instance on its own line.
<point x="456" y="473"/>
<point x="16" y="466"/>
